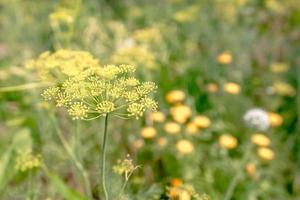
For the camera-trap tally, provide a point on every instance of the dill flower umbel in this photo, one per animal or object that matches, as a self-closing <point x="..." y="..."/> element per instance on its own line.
<point x="138" y="55"/>
<point x="62" y="64"/>
<point x="26" y="160"/>
<point x="98" y="91"/>
<point x="257" y="118"/>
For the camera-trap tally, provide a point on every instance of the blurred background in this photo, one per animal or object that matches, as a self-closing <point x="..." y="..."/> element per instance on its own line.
<point x="213" y="61"/>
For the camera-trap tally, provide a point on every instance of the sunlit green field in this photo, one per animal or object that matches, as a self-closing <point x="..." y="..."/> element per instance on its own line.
<point x="149" y="100"/>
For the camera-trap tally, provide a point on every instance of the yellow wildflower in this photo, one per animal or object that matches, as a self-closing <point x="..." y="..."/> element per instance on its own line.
<point x="284" y="89"/>
<point x="232" y="88"/>
<point x="225" y="58"/>
<point x="181" y="113"/>
<point x="212" y="87"/>
<point x="172" y="128"/>
<point x="191" y="128"/>
<point x="278" y="68"/>
<point x="162" y="141"/>
<point x="185" y="146"/>
<point x="157" y="116"/>
<point x="228" y="141"/>
<point x="265" y="153"/>
<point x="148" y="132"/>
<point x="175" y="96"/>
<point x="260" y="139"/>
<point x="201" y="121"/>
<point x="275" y="119"/>
<point x="251" y="169"/>
<point x="187" y="14"/>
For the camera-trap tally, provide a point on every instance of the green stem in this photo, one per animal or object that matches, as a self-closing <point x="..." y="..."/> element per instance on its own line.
<point x="103" y="157"/>
<point x="26" y="86"/>
<point x="236" y="178"/>
<point x="76" y="161"/>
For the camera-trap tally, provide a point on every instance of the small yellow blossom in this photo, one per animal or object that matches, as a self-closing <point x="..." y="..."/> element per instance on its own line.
<point x="284" y="89"/>
<point x="135" y="55"/>
<point x="148" y="132"/>
<point x="191" y="128"/>
<point x="162" y="141"/>
<point x="228" y="141"/>
<point x="278" y="68"/>
<point x="201" y="121"/>
<point x="225" y="58"/>
<point x="148" y="35"/>
<point x="172" y="128"/>
<point x="251" y="169"/>
<point x="187" y="14"/>
<point x="260" y="139"/>
<point x="232" y="88"/>
<point x="212" y="87"/>
<point x="175" y="182"/>
<point x="275" y="119"/>
<point x="157" y="116"/>
<point x="181" y="113"/>
<point x="185" y="146"/>
<point x="265" y="153"/>
<point x="175" y="96"/>
<point x="137" y="144"/>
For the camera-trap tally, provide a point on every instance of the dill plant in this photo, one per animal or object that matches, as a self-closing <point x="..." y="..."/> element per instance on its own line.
<point x="102" y="91"/>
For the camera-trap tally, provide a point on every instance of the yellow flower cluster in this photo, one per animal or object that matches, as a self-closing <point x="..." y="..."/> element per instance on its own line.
<point x="147" y="35"/>
<point x="27" y="161"/>
<point x="97" y="91"/>
<point x="125" y="167"/>
<point x="59" y="17"/>
<point x="140" y="56"/>
<point x="59" y="65"/>
<point x="187" y="14"/>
